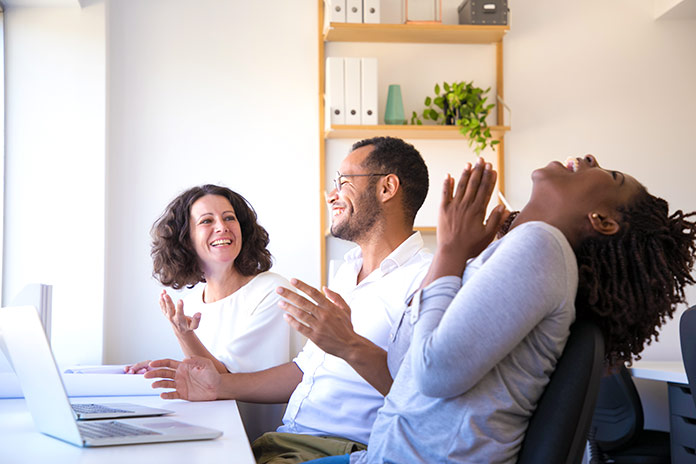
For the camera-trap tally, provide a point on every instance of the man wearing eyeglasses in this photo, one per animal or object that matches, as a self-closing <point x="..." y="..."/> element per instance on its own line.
<point x="336" y="384"/>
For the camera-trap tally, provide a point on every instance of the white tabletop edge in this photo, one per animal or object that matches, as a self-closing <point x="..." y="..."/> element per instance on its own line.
<point x="665" y="371"/>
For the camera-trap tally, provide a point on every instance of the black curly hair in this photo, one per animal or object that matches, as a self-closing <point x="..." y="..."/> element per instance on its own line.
<point x="175" y="262"/>
<point x="630" y="283"/>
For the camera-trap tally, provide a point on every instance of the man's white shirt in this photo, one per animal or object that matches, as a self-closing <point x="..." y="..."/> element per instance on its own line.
<point x="332" y="399"/>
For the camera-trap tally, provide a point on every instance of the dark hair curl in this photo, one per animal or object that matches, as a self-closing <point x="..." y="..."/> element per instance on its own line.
<point x="630" y="283"/>
<point x="175" y="262"/>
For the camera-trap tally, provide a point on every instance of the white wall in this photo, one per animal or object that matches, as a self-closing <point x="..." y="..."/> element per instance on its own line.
<point x="205" y="91"/>
<point x="54" y="172"/>
<point x="222" y="91"/>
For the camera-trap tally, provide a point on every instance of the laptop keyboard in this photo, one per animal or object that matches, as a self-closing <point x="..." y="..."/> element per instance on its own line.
<point x="111" y="429"/>
<point x="96" y="408"/>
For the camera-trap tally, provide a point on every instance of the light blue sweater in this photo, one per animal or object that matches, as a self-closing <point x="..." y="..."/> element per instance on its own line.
<point x="481" y="351"/>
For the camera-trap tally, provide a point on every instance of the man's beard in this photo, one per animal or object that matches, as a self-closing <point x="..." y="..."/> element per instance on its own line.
<point x="360" y="223"/>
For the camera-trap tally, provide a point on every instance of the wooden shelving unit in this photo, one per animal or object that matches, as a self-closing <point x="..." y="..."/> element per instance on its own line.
<point x="414" y="33"/>
<point x="401" y="33"/>
<point x="404" y="132"/>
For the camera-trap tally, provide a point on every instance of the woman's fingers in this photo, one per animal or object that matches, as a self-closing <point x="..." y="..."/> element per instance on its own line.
<point x="195" y="321"/>
<point x="496" y="218"/>
<point x="137" y="368"/>
<point x="468" y="191"/>
<point x="485" y="190"/>
<point x="463" y="181"/>
<point x="179" y="316"/>
<point x="447" y="191"/>
<point x="167" y="305"/>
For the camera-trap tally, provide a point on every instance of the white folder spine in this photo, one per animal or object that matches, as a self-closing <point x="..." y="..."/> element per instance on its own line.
<point x="371" y="11"/>
<point x="354" y="11"/>
<point x="335" y="97"/>
<point x="352" y="86"/>
<point x="335" y="11"/>
<point x="369" y="91"/>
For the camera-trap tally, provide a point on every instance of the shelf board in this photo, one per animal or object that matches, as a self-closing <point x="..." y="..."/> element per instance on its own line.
<point x="404" y="132"/>
<point x="414" y="33"/>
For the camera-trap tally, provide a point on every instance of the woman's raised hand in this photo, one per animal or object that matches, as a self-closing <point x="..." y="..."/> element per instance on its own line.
<point x="462" y="229"/>
<point x="181" y="323"/>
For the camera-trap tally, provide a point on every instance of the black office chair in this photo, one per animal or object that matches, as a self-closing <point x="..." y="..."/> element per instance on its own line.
<point x="687" y="337"/>
<point x="557" y="431"/>
<point x="617" y="434"/>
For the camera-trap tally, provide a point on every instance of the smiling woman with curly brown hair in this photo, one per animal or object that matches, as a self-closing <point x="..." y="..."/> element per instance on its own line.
<point x="209" y="235"/>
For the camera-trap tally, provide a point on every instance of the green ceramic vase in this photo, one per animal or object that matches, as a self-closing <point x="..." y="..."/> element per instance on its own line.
<point x="394" y="114"/>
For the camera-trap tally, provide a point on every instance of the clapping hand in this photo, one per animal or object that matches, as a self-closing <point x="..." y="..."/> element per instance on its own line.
<point x="462" y="232"/>
<point x="325" y="320"/>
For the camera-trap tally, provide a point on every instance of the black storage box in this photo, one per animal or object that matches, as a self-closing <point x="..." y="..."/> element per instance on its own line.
<point x="491" y="12"/>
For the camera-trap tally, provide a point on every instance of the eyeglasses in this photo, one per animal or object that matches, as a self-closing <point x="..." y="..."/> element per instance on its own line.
<point x="338" y="181"/>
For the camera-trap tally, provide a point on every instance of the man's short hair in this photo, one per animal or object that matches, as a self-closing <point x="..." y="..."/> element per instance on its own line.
<point x="394" y="156"/>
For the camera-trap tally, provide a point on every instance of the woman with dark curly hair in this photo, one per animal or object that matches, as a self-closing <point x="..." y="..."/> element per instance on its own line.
<point x="210" y="235"/>
<point x="480" y="340"/>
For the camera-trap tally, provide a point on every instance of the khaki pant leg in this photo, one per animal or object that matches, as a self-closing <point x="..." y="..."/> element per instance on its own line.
<point x="291" y="448"/>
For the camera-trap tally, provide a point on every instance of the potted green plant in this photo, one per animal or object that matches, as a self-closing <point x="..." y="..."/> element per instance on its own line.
<point x="464" y="105"/>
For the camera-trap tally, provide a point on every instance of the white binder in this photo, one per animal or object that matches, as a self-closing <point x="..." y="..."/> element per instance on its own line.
<point x="354" y="11"/>
<point x="352" y="93"/>
<point x="334" y="11"/>
<point x="369" y="91"/>
<point x="371" y="11"/>
<point x="335" y="98"/>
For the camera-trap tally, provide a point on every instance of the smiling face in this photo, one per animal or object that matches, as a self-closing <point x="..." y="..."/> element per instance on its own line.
<point x="355" y="209"/>
<point x="580" y="190"/>
<point x="215" y="232"/>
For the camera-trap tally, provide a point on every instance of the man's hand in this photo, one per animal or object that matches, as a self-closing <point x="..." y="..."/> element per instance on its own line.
<point x="325" y="321"/>
<point x="193" y="379"/>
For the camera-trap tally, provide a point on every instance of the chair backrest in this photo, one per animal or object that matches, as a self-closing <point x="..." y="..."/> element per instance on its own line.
<point x="618" y="415"/>
<point x="687" y="337"/>
<point x="558" y="428"/>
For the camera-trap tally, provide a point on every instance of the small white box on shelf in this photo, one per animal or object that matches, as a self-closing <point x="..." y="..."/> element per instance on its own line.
<point x="369" y="114"/>
<point x="335" y="93"/>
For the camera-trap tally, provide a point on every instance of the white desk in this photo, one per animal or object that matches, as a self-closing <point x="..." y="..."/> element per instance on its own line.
<point x="665" y="371"/>
<point x="21" y="442"/>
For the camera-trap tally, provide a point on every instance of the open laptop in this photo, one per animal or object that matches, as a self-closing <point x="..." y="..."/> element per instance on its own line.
<point x="44" y="392"/>
<point x="35" y="350"/>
